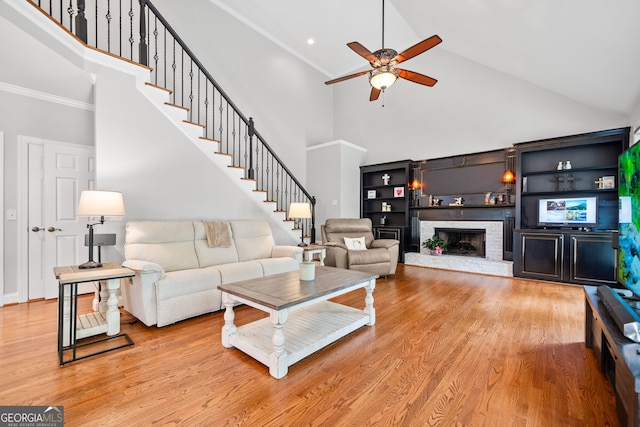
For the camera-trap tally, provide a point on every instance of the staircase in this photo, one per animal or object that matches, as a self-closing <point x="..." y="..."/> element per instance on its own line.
<point x="177" y="83"/>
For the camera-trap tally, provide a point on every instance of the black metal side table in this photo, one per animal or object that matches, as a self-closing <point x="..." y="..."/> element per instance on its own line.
<point x="71" y="326"/>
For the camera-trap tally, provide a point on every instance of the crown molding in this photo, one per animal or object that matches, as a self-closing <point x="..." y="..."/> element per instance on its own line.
<point x="47" y="97"/>
<point x="336" y="142"/>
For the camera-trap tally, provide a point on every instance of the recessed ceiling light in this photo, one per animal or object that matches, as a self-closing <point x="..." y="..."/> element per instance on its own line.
<point x="310" y="41"/>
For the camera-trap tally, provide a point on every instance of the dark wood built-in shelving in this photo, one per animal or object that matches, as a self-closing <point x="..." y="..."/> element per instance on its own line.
<point x="393" y="223"/>
<point x="578" y="254"/>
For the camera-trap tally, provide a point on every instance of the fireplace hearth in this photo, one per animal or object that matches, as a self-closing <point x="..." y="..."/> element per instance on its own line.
<point x="463" y="241"/>
<point x="491" y="263"/>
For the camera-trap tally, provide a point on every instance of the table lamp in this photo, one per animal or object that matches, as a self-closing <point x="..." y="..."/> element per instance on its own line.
<point x="98" y="203"/>
<point x="301" y="211"/>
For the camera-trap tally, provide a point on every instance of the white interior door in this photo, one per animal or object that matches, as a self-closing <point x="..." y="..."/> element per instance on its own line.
<point x="58" y="173"/>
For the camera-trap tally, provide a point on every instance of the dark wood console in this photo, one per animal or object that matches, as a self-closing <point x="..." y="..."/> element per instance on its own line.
<point x="586" y="258"/>
<point x="617" y="356"/>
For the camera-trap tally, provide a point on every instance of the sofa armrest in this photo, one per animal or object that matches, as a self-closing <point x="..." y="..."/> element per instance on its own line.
<point x="145" y="267"/>
<point x="294" y="252"/>
<point x="384" y="243"/>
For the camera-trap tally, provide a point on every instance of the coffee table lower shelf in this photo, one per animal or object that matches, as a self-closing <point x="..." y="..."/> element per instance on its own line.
<point x="305" y="332"/>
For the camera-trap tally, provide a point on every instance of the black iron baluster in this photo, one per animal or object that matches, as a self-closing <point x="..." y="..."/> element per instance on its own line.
<point x="164" y="56"/>
<point x="120" y="28"/>
<point x="173" y="67"/>
<point x="143" y="34"/>
<point x="96" y="23"/>
<point x="155" y="53"/>
<point x="220" y="129"/>
<point x="191" y="92"/>
<point x="108" y="16"/>
<point x="252" y="132"/>
<point x="206" y="108"/>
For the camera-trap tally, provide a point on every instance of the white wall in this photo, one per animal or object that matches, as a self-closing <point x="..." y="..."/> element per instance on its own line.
<point x="334" y="178"/>
<point x="472" y="108"/>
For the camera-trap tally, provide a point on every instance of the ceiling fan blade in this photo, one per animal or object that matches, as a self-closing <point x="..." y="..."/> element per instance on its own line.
<point x="418" y="48"/>
<point x="362" y="51"/>
<point x="375" y="93"/>
<point x="350" y="76"/>
<point x="416" y="77"/>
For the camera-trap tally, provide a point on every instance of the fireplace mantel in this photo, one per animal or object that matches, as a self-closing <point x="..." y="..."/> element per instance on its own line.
<point x="464" y="212"/>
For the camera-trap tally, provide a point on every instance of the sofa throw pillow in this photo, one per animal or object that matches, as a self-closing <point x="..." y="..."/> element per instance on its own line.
<point x="355" y="244"/>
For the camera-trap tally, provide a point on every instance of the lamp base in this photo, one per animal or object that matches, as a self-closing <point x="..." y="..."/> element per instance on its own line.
<point x="90" y="264"/>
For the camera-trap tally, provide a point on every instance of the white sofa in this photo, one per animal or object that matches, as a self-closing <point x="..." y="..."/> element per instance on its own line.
<point x="178" y="273"/>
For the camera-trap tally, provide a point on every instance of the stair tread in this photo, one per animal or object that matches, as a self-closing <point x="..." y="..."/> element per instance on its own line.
<point x="193" y="123"/>
<point x="170" y="104"/>
<point x="159" y="87"/>
<point x="204" y="138"/>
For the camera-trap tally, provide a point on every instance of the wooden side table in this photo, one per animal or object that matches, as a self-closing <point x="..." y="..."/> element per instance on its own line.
<point x="309" y="251"/>
<point x="71" y="326"/>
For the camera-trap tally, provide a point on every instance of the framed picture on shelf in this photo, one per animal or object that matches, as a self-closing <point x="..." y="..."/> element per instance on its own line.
<point x="398" y="192"/>
<point x="608" y="182"/>
<point x="371" y="194"/>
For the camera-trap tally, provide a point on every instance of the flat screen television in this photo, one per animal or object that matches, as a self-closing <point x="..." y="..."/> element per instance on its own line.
<point x="568" y="212"/>
<point x="629" y="219"/>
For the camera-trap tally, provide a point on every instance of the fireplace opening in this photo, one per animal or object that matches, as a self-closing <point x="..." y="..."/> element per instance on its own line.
<point x="463" y="241"/>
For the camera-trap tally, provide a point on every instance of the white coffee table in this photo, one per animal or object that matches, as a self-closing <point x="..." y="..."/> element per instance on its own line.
<point x="301" y="321"/>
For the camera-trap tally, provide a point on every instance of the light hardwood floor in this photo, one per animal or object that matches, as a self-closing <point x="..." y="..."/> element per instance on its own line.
<point x="448" y="349"/>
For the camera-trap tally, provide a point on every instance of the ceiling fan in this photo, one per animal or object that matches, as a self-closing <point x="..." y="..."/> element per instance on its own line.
<point x="384" y="62"/>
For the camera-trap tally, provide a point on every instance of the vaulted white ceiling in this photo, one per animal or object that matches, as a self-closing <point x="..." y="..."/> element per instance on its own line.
<point x="586" y="50"/>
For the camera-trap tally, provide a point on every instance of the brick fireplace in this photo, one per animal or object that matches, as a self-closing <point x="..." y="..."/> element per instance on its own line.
<point x="490" y="263"/>
<point x="463" y="241"/>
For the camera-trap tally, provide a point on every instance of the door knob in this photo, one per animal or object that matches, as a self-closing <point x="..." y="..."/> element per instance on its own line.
<point x="52" y="229"/>
<point x="36" y="229"/>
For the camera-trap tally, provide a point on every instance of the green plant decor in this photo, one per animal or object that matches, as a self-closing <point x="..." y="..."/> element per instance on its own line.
<point x="435" y="244"/>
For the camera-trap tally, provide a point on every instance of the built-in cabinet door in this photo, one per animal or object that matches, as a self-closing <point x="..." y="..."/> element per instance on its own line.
<point x="541" y="256"/>
<point x="566" y="256"/>
<point x="593" y="260"/>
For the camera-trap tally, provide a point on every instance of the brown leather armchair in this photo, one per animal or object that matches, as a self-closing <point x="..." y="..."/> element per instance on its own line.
<point x="380" y="256"/>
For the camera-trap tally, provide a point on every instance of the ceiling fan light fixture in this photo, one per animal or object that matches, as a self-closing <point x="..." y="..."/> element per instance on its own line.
<point x="383" y="77"/>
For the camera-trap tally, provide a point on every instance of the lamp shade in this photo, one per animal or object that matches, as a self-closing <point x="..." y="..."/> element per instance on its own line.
<point x="508" y="177"/>
<point x="299" y="210"/>
<point x="101" y="203"/>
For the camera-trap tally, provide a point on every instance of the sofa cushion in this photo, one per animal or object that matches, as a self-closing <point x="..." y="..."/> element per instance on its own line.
<point x="186" y="282"/>
<point x="372" y="256"/>
<point x="253" y="239"/>
<point x="167" y="243"/>
<point x="208" y="256"/>
<point x="278" y="265"/>
<point x="238" y="271"/>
